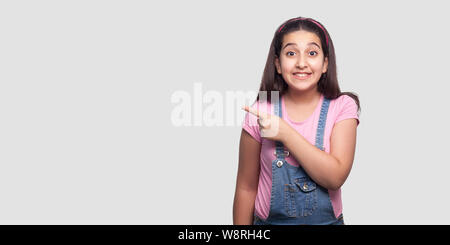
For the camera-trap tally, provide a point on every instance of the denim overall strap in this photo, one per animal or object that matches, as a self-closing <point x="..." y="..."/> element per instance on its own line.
<point x="321" y="124"/>
<point x="280" y="152"/>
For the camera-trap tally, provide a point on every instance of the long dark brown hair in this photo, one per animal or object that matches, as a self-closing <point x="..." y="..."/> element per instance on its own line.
<point x="328" y="84"/>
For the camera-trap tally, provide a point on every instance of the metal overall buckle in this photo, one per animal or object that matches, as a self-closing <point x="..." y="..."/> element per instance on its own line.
<point x="285" y="153"/>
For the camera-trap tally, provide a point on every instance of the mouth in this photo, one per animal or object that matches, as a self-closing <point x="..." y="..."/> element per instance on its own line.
<point x="302" y="75"/>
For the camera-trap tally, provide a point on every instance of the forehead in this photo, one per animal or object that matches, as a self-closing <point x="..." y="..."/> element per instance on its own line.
<point x="301" y="38"/>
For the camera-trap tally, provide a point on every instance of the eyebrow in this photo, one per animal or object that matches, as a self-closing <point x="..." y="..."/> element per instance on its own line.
<point x="287" y="44"/>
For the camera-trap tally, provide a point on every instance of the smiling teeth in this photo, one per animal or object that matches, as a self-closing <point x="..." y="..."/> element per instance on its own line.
<point x="301" y="75"/>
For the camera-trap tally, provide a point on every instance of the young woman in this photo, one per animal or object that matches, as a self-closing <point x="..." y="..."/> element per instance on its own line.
<point x="297" y="146"/>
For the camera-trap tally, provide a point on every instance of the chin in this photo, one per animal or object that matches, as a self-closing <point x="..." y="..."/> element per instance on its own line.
<point x="302" y="85"/>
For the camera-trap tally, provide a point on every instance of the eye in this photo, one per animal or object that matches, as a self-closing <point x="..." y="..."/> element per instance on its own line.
<point x="290" y="53"/>
<point x="312" y="52"/>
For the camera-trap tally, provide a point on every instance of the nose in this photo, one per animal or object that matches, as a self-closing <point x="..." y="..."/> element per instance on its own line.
<point x="301" y="61"/>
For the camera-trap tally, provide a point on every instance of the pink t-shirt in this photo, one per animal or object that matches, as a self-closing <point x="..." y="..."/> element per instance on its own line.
<point x="341" y="108"/>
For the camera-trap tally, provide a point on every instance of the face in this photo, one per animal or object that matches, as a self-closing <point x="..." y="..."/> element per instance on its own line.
<point x="301" y="61"/>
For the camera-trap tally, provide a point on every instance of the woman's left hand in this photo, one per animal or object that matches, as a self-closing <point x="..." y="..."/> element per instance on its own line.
<point x="272" y="127"/>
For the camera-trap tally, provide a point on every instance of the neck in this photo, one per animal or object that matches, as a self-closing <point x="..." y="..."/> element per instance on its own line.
<point x="303" y="97"/>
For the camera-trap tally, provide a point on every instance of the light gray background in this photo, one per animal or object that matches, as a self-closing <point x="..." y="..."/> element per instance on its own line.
<point x="85" y="112"/>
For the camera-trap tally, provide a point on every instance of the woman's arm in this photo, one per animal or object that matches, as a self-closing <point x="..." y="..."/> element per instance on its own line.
<point x="328" y="170"/>
<point x="247" y="180"/>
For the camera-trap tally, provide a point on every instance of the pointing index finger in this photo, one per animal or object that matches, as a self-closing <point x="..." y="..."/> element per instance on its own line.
<point x="254" y="111"/>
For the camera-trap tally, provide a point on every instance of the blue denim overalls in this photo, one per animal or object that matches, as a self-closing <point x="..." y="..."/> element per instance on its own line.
<point x="296" y="198"/>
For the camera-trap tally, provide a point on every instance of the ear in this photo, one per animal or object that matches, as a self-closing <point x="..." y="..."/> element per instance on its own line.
<point x="277" y="65"/>
<point x="325" y="65"/>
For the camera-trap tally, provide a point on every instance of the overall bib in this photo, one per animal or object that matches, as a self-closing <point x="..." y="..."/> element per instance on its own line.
<point x="296" y="199"/>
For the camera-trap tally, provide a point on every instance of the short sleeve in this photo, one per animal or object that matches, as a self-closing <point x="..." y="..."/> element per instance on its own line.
<point x="250" y="124"/>
<point x="347" y="109"/>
